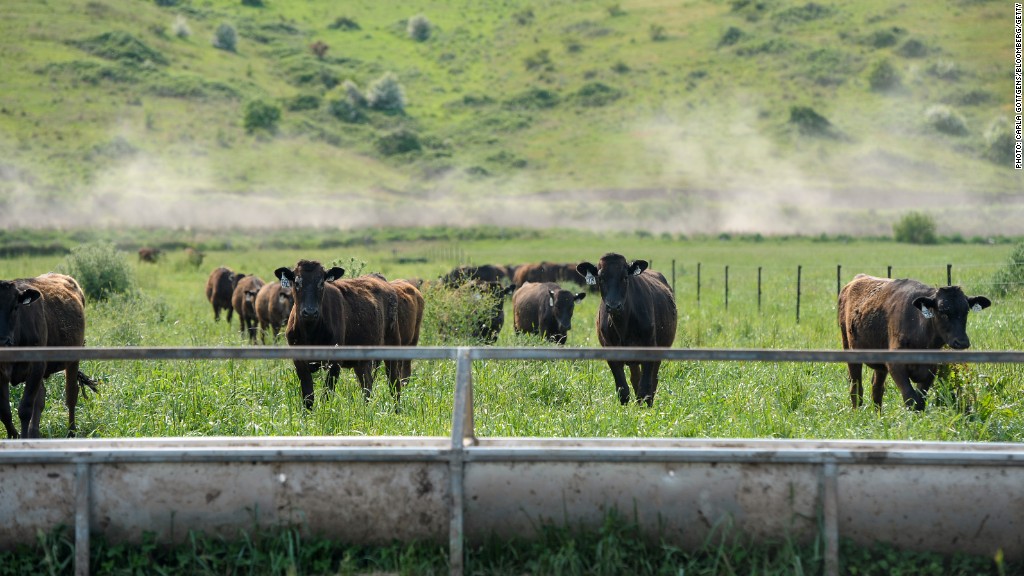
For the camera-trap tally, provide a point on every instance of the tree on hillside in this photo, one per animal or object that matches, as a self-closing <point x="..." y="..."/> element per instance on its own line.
<point x="386" y="94"/>
<point x="915" y="228"/>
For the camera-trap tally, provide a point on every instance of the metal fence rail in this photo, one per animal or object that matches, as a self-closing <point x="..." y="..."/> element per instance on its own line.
<point x="479" y="496"/>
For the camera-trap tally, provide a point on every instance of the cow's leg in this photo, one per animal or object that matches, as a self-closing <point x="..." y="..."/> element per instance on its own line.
<point x="333" y="371"/>
<point x="364" y="373"/>
<point x="649" y="382"/>
<point x="216" y="313"/>
<point x="856" y="386"/>
<point x="305" y="381"/>
<point x="398" y="374"/>
<point x="619" y="374"/>
<point x="878" y="384"/>
<point x="636" y="382"/>
<point x="231" y="310"/>
<point x="5" y="407"/>
<point x="901" y="376"/>
<point x="71" y="395"/>
<point x="30" y="409"/>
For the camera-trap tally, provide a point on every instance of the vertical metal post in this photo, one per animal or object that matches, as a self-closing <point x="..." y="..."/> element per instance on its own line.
<point x="758" y="288"/>
<point x="949" y="274"/>
<point x="83" y="493"/>
<point x="726" y="287"/>
<point x="888" y="273"/>
<point x="673" y="277"/>
<point x="462" y="433"/>
<point x="830" y="517"/>
<point x="799" y="271"/>
<point x="698" y="284"/>
<point x="839" y="278"/>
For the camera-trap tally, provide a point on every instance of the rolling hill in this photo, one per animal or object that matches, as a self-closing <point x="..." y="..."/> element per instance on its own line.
<point x="694" y="116"/>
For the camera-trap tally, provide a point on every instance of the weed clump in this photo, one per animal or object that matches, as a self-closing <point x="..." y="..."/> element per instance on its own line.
<point x="946" y="120"/>
<point x="226" y="38"/>
<point x="730" y="37"/>
<point x="1010" y="278"/>
<point x="419" y="28"/>
<point x="344" y="23"/>
<point x="386" y="94"/>
<point x="400" y="141"/>
<point x="533" y="99"/>
<point x="809" y="122"/>
<point x="260" y="115"/>
<point x="999" y="142"/>
<point x="596" y="94"/>
<point x="883" y="76"/>
<point x="122" y="47"/>
<point x="101" y="270"/>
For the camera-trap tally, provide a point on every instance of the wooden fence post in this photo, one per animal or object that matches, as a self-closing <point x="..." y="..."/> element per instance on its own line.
<point x="698" y="284"/>
<point x="949" y="274"/>
<point x="839" y="278"/>
<point x="799" y="271"/>
<point x="727" y="287"/>
<point x="759" y="289"/>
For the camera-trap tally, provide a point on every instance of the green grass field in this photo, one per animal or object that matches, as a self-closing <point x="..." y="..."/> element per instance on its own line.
<point x="564" y="399"/>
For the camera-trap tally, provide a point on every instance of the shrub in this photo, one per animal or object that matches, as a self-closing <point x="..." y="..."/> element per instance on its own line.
<point x="915" y="228"/>
<point x="345" y="111"/>
<point x="533" y="99"/>
<point x="400" y="141"/>
<point x="253" y="3"/>
<point x="180" y="27"/>
<point x="260" y="115"/>
<point x="451" y="316"/>
<point x="540" y="60"/>
<point x="344" y="23"/>
<point x="809" y="123"/>
<point x="1010" y="278"/>
<point x="355" y="96"/>
<point x="523" y="17"/>
<point x="883" y="76"/>
<point x="657" y="32"/>
<point x="999" y="142"/>
<point x="385" y="93"/>
<point x="319" y="49"/>
<point x="912" y="48"/>
<point x="595" y="94"/>
<point x="100" y="269"/>
<point x="226" y="38"/>
<point x="122" y="47"/>
<point x="946" y="120"/>
<point x="730" y="37"/>
<point x="419" y="28"/>
<point x="303" y="102"/>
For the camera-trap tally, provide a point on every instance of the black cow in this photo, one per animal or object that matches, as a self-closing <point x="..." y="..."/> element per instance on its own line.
<point x="637" y="309"/>
<point x="492" y="312"/>
<point x="880" y="313"/>
<point x="544" y="308"/>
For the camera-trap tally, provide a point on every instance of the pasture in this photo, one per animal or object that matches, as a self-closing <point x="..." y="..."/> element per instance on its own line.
<point x="561" y="399"/>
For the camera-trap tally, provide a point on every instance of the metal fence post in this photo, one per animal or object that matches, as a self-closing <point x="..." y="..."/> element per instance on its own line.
<point x="83" y="496"/>
<point x="462" y="433"/>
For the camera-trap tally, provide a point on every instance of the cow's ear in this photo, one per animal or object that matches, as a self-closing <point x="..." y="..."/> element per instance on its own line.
<point x="978" y="303"/>
<point x="580" y="296"/>
<point x="588" y="271"/>
<point x="28" y="296"/>
<point x="926" y="306"/>
<point x="551" y="298"/>
<point x="637" y="267"/>
<point x="286" y="276"/>
<point x="335" y="273"/>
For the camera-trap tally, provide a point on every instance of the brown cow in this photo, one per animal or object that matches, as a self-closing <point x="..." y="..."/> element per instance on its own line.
<point x="403" y="329"/>
<point x="150" y="255"/>
<point x="219" y="288"/>
<point x="243" y="300"/>
<point x="470" y="273"/>
<point x="544" y="308"/>
<point x="329" y="311"/>
<point x="47" y="310"/>
<point x="273" y="306"/>
<point x="880" y="313"/>
<point x="637" y="309"/>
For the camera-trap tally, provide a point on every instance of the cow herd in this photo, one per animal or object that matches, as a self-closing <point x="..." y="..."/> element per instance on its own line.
<point x="317" y="306"/>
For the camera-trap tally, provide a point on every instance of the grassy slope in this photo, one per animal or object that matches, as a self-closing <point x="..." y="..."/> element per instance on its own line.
<point x="700" y="139"/>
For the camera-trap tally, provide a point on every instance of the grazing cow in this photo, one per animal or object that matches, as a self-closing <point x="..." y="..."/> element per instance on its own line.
<point x="329" y="311"/>
<point x="273" y="306"/>
<point x="463" y="274"/>
<point x="544" y="308"/>
<point x="637" y="309"/>
<point x="219" y="288"/>
<point x="150" y="255"/>
<point x="403" y="329"/>
<point x="488" y="326"/>
<point x="243" y="300"/>
<point x="47" y="310"/>
<point x="880" y="313"/>
<point x="193" y="257"/>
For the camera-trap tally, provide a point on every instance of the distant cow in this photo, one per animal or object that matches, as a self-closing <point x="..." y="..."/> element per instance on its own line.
<point x="243" y="300"/>
<point x="637" y="309"/>
<point x="47" y="310"/>
<point x="193" y="257"/>
<point x="492" y="311"/>
<point x="880" y="313"/>
<point x="470" y="273"/>
<point x="150" y="255"/>
<point x="219" y="288"/>
<point x="329" y="311"/>
<point x="544" y="308"/>
<point x="273" y="306"/>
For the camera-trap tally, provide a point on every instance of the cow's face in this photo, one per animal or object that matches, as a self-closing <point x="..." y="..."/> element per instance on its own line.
<point x="307" y="282"/>
<point x="612" y="275"/>
<point x="947" y="314"/>
<point x="285" y="300"/>
<point x="11" y="301"/>
<point x="563" y="304"/>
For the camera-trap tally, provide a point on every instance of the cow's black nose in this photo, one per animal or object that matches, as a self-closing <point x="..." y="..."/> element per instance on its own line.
<point x="310" y="313"/>
<point x="960" y="344"/>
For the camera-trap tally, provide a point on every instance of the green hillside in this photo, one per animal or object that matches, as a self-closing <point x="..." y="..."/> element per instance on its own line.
<point x="773" y="116"/>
